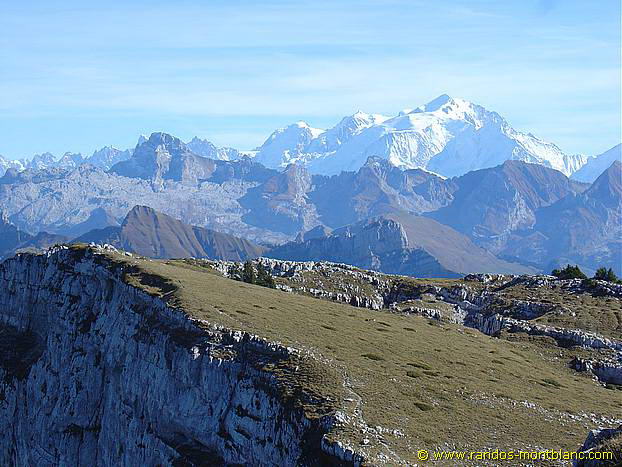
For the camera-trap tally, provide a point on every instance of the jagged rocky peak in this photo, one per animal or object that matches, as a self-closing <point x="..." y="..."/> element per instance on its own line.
<point x="378" y="163"/>
<point x="170" y="142"/>
<point x="47" y="160"/>
<point x="291" y="184"/>
<point x="202" y="147"/>
<point x="379" y="166"/>
<point x="70" y="160"/>
<point x="205" y="148"/>
<point x="141" y="139"/>
<point x="382" y="176"/>
<point x="165" y="157"/>
<point x="297" y="178"/>
<point x="41" y="161"/>
<point x="108" y="156"/>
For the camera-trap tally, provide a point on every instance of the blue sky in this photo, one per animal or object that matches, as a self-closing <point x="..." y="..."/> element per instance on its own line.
<point x="75" y="76"/>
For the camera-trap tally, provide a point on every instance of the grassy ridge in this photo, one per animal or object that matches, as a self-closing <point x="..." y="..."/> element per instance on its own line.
<point x="439" y="385"/>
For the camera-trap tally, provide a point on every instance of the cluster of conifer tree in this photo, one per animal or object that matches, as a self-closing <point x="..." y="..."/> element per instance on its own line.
<point x="259" y="276"/>
<point x="574" y="272"/>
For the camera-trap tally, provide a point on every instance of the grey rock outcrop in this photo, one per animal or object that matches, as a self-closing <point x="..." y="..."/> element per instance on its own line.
<point x="164" y="157"/>
<point x="609" y="371"/>
<point x="105" y="374"/>
<point x="350" y="285"/>
<point x="595" y="440"/>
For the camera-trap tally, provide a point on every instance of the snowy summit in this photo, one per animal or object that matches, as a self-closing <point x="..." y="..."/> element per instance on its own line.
<point x="450" y="136"/>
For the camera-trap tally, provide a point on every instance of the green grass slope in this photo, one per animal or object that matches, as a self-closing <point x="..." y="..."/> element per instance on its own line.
<point x="422" y="384"/>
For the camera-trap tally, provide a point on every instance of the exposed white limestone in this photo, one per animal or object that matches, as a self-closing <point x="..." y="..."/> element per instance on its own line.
<point x="108" y="375"/>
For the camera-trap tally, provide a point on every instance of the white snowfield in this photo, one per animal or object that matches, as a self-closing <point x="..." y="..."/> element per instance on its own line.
<point x="449" y="136"/>
<point x="597" y="165"/>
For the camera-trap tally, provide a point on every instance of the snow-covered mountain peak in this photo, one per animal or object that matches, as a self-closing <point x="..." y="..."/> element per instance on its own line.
<point x="445" y="104"/>
<point x="6" y="164"/>
<point x="363" y="118"/>
<point x="448" y="135"/>
<point x="435" y="104"/>
<point x="301" y="124"/>
<point x="108" y="156"/>
<point x="355" y="122"/>
<point x="206" y="148"/>
<point x="285" y="145"/>
<point x="598" y="164"/>
<point x="448" y="108"/>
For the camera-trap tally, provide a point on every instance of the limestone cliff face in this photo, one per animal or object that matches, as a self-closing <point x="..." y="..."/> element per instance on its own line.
<point x="96" y="372"/>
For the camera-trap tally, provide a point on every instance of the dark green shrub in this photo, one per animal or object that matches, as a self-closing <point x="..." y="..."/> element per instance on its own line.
<point x="248" y="273"/>
<point x="604" y="274"/>
<point x="264" y="278"/>
<point x="569" y="272"/>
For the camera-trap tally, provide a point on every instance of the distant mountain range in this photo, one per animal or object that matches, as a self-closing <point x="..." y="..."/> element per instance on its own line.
<point x="585" y="228"/>
<point x="399" y="244"/>
<point x="395" y="243"/>
<point x="107" y="156"/>
<point x="448" y="136"/>
<point x="12" y="239"/>
<point x="143" y="231"/>
<point x="515" y="216"/>
<point x="156" y="235"/>
<point x="527" y="213"/>
<point x="491" y="205"/>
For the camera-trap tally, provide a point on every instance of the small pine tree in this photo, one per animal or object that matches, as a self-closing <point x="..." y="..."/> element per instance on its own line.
<point x="236" y="272"/>
<point x="611" y="276"/>
<point x="569" y="272"/>
<point x="605" y="274"/>
<point x="264" y="278"/>
<point x="248" y="273"/>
